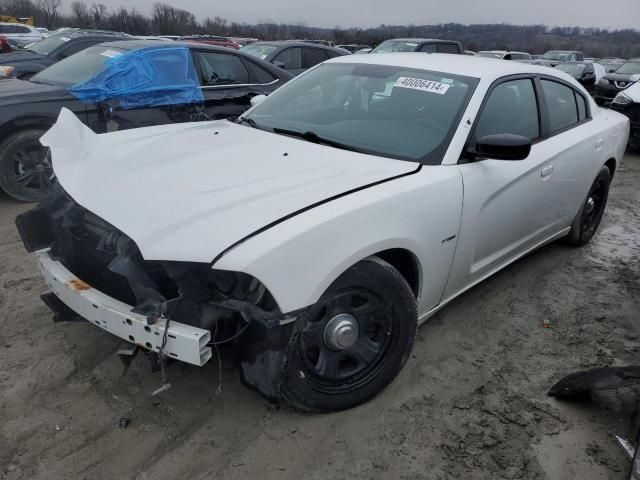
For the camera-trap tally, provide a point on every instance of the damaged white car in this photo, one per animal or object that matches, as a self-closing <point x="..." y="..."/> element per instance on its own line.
<point x="319" y="230"/>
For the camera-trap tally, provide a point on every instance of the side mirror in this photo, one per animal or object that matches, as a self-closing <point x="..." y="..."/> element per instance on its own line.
<point x="503" y="147"/>
<point x="280" y="64"/>
<point x="257" y="100"/>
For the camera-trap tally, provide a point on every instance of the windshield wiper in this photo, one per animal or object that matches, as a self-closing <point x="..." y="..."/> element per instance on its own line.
<point x="315" y="138"/>
<point x="250" y="121"/>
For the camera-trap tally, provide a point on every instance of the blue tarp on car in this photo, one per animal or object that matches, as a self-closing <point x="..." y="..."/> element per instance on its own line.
<point x="144" y="78"/>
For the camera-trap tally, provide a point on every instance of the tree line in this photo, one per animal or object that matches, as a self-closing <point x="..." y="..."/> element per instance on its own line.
<point x="165" y="19"/>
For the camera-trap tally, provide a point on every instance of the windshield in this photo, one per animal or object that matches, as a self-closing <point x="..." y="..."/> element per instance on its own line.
<point x="395" y="46"/>
<point x="489" y="54"/>
<point x="79" y="67"/>
<point x="574" y="69"/>
<point x="382" y="110"/>
<point x="49" y="44"/>
<point x="555" y="56"/>
<point x="631" y="68"/>
<point x="260" y="50"/>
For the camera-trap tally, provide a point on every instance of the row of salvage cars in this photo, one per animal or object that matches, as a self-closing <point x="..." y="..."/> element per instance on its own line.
<point x="316" y="230"/>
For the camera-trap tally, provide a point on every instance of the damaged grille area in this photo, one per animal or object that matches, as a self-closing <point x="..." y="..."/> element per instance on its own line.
<point x="108" y="260"/>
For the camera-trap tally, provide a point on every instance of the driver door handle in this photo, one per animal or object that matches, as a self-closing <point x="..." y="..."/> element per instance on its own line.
<point x="546" y="171"/>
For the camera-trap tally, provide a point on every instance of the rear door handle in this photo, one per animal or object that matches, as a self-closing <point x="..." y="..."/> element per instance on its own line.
<point x="546" y="171"/>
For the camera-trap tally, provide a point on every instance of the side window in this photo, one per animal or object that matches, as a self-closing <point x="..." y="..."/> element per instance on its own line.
<point x="561" y="102"/>
<point x="76" y="47"/>
<point x="428" y="48"/>
<point x="291" y="57"/>
<point x="222" y="69"/>
<point x="511" y="108"/>
<point x="22" y="30"/>
<point x="582" y="106"/>
<point x="447" y="48"/>
<point x="312" y="56"/>
<point x="260" y="74"/>
<point x="509" y="56"/>
<point x="332" y="54"/>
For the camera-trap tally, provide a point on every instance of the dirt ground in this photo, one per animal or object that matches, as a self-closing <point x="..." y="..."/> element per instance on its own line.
<point x="470" y="404"/>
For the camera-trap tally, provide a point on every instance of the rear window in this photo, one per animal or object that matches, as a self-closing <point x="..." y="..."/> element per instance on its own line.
<point x="561" y="102"/>
<point x="447" y="48"/>
<point x="260" y="50"/>
<point x="78" y="68"/>
<point x="48" y="45"/>
<point x="396" y="46"/>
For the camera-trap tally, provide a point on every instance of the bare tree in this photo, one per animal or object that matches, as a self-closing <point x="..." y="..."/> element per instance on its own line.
<point x="99" y="12"/>
<point x="49" y="10"/>
<point x="80" y="13"/>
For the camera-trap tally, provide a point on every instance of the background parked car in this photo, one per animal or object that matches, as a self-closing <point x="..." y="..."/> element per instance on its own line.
<point x="211" y="40"/>
<point x="5" y="46"/>
<point x="426" y="45"/>
<point x="295" y="57"/>
<point x="613" y="83"/>
<point x="353" y="48"/>
<point x="363" y="51"/>
<point x="20" y="33"/>
<point x="35" y="58"/>
<point x="228" y="79"/>
<point x="504" y="55"/>
<point x="612" y="64"/>
<point x="627" y="102"/>
<point x="554" y="57"/>
<point x="588" y="74"/>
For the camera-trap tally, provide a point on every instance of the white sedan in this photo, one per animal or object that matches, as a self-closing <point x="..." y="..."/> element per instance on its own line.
<point x="317" y="231"/>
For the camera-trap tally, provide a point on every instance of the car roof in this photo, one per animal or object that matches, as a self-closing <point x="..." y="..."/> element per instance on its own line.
<point x="18" y="24"/>
<point x="138" y="44"/>
<point x="421" y="40"/>
<point x="465" y="65"/>
<point x="294" y="43"/>
<point x="84" y="33"/>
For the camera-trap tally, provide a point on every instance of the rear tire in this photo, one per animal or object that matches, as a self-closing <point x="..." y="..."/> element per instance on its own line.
<point x="26" y="173"/>
<point x="590" y="215"/>
<point x="330" y="369"/>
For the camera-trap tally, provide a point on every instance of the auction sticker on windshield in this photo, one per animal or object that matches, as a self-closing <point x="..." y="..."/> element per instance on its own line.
<point x="423" y="85"/>
<point x="110" y="53"/>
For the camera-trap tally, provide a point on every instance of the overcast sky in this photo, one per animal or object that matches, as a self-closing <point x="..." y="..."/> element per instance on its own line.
<point x="369" y="13"/>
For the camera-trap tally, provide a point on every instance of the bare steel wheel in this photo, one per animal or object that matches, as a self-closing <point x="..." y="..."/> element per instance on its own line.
<point x="354" y="341"/>
<point x="590" y="215"/>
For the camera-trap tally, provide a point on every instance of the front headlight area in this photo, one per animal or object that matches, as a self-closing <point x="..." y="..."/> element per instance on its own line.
<point x="622" y="99"/>
<point x="221" y="301"/>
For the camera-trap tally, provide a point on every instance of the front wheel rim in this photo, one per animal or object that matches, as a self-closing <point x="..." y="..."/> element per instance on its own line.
<point x="336" y="364"/>
<point x="32" y="168"/>
<point x="593" y="208"/>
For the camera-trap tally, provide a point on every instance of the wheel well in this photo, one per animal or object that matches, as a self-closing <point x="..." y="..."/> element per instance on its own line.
<point x="406" y="263"/>
<point x="611" y="165"/>
<point x="10" y="128"/>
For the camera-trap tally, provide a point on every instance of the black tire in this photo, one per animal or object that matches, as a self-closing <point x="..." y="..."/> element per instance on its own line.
<point x="323" y="379"/>
<point x="26" y="173"/>
<point x="590" y="215"/>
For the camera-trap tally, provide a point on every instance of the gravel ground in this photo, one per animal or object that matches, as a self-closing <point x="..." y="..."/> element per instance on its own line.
<point x="470" y="404"/>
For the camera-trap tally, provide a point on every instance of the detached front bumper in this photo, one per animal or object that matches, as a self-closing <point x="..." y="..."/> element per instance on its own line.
<point x="184" y="342"/>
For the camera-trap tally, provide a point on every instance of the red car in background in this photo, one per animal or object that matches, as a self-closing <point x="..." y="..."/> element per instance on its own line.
<point x="211" y="40"/>
<point x="5" y="47"/>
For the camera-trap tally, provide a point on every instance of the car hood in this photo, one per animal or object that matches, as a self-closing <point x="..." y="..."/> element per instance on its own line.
<point x="15" y="58"/>
<point x="621" y="77"/>
<point x="14" y="91"/>
<point x="188" y="192"/>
